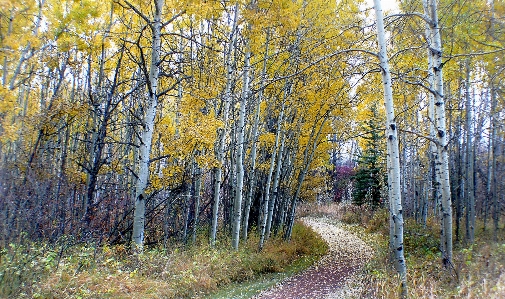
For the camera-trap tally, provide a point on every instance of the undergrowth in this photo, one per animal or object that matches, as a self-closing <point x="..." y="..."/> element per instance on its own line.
<point x="86" y="271"/>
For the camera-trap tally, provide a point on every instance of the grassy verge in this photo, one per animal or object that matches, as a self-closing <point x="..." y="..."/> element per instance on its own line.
<point x="84" y="271"/>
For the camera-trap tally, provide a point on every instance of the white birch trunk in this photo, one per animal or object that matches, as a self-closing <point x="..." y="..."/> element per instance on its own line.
<point x="442" y="163"/>
<point x="275" y="188"/>
<point x="237" y="206"/>
<point x="147" y="134"/>
<point x="488" y="199"/>
<point x="254" y="146"/>
<point x="492" y="169"/>
<point x="393" y="153"/>
<point x="218" y="171"/>
<point x="198" y="187"/>
<point x="308" y="156"/>
<point x="434" y="179"/>
<point x="266" y="201"/>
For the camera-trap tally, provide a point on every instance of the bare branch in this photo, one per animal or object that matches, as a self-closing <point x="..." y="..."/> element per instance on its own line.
<point x="138" y="12"/>
<point x="412" y="14"/>
<point x="474" y="54"/>
<point x="173" y="18"/>
<point x="420" y="135"/>
<point x="159" y="158"/>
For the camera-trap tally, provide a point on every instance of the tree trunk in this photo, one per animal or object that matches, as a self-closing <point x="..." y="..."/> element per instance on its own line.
<point x="493" y="172"/>
<point x="393" y="153"/>
<point x="275" y="188"/>
<point x="198" y="188"/>
<point x="237" y="206"/>
<point x="147" y="133"/>
<point x="459" y="192"/>
<point x="434" y="179"/>
<point x="442" y="157"/>
<point x="308" y="155"/>
<point x="218" y="171"/>
<point x="266" y="203"/>
<point x="470" y="193"/>
<point x="252" y="180"/>
<point x="490" y="155"/>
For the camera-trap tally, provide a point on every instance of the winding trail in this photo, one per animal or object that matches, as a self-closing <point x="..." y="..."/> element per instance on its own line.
<point x="333" y="275"/>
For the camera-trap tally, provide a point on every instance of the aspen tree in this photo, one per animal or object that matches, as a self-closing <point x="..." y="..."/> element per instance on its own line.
<point x="148" y="129"/>
<point x="437" y="116"/>
<point x="442" y="164"/>
<point x="266" y="202"/>
<point x="494" y="163"/>
<point x="227" y="98"/>
<point x="275" y="187"/>
<point x="197" y="195"/>
<point x="237" y="205"/>
<point x="396" y="212"/>
<point x="254" y="141"/>
<point x="308" y="156"/>
<point x="470" y="184"/>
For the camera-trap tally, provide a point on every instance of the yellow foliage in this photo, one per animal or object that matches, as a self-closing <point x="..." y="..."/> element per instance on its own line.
<point x="10" y="133"/>
<point x="266" y="139"/>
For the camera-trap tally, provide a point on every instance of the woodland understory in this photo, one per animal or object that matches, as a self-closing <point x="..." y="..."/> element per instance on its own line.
<point x="132" y="129"/>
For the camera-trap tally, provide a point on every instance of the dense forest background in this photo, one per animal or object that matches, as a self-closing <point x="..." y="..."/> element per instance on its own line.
<point x="153" y="122"/>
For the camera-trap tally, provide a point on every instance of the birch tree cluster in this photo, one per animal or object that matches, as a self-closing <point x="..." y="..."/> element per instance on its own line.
<point x="144" y="122"/>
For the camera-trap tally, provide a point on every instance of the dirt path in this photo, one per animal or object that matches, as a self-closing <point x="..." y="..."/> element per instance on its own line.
<point x="332" y="276"/>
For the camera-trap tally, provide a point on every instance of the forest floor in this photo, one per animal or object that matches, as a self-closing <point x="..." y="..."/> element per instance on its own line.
<point x="334" y="275"/>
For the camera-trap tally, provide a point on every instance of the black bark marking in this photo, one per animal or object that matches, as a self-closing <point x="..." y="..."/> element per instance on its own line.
<point x="393" y="127"/>
<point x="441" y="133"/>
<point x="399" y="248"/>
<point x="391" y="137"/>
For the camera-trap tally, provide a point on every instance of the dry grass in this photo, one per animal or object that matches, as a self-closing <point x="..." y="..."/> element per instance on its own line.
<point x="478" y="270"/>
<point x="111" y="272"/>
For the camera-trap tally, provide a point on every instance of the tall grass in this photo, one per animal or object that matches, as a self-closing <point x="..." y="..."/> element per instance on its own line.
<point x="86" y="271"/>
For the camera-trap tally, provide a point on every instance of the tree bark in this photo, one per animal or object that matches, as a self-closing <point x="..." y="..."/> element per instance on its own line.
<point x="275" y="188"/>
<point x="442" y="163"/>
<point x="254" y="141"/>
<point x="147" y="133"/>
<point x="218" y="171"/>
<point x="470" y="191"/>
<point x="435" y="65"/>
<point x="237" y="206"/>
<point x="393" y="153"/>
<point x="266" y="202"/>
<point x="198" y="188"/>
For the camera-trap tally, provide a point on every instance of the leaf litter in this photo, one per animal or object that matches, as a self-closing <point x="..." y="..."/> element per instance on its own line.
<point x="336" y="275"/>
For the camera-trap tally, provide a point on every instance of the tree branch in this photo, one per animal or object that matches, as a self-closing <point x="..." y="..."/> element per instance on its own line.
<point x="138" y="12"/>
<point x="412" y="14"/>
<point x="420" y="135"/>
